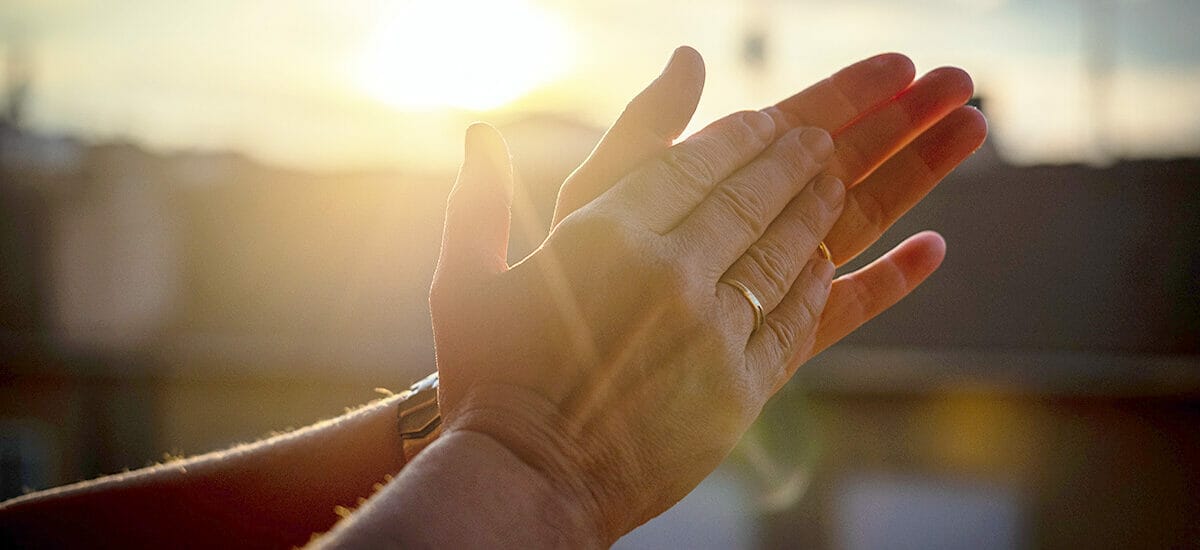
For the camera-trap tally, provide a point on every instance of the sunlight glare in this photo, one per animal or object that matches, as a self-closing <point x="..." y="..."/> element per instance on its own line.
<point x="467" y="54"/>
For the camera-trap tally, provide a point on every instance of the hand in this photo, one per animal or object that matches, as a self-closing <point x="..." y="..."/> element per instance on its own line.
<point x="612" y="359"/>
<point x="576" y="404"/>
<point x="895" y="139"/>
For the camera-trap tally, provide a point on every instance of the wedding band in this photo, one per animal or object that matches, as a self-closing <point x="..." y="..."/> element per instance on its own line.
<point x="824" y="251"/>
<point x="755" y="304"/>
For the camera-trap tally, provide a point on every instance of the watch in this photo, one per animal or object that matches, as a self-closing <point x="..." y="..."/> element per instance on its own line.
<point x="419" y="419"/>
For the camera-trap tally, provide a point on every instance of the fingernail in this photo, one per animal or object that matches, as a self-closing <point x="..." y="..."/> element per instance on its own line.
<point x="762" y="124"/>
<point x="881" y="60"/>
<point x="675" y="55"/>
<point x="823" y="270"/>
<point x="486" y="154"/>
<point x="829" y="189"/>
<point x="818" y="142"/>
<point x="671" y="61"/>
<point x="485" y="146"/>
<point x="888" y="59"/>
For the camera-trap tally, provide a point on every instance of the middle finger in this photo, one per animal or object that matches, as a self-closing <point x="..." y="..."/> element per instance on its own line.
<point x="770" y="266"/>
<point x="737" y="211"/>
<point x="866" y="143"/>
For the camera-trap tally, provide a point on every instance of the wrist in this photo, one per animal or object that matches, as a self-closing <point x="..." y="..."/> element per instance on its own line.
<point x="532" y="429"/>
<point x="556" y="515"/>
<point x="466" y="490"/>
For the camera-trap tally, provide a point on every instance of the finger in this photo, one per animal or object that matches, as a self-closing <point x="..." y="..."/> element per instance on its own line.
<point x="770" y="266"/>
<point x="663" y="191"/>
<point x="843" y="97"/>
<point x="667" y="105"/>
<point x="475" y="238"/>
<point x="738" y="210"/>
<point x="648" y="126"/>
<point x="869" y="141"/>
<point x="790" y="330"/>
<point x="858" y="297"/>
<point x="875" y="204"/>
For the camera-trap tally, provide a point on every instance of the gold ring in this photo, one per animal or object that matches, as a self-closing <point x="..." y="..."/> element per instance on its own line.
<point x="755" y="304"/>
<point x="824" y="251"/>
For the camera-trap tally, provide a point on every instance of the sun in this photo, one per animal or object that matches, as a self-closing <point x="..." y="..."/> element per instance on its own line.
<point x="464" y="54"/>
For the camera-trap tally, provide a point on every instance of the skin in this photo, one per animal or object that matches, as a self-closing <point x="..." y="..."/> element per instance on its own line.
<point x="268" y="494"/>
<point x="892" y="141"/>
<point x="894" y="138"/>
<point x="646" y="368"/>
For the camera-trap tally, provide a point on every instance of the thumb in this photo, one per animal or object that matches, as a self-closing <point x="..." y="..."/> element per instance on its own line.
<point x="649" y="125"/>
<point x="475" y="239"/>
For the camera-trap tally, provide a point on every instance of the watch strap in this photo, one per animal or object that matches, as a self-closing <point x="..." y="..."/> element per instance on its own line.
<point x="419" y="419"/>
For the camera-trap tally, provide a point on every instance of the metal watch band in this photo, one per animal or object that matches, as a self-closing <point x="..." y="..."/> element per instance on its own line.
<point x="419" y="418"/>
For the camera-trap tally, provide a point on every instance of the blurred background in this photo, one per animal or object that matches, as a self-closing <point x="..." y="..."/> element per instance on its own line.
<point x="220" y="218"/>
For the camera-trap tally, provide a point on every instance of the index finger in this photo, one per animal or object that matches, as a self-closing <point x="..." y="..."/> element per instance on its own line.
<point x="846" y="95"/>
<point x="665" y="190"/>
<point x="830" y="104"/>
<point x="648" y="126"/>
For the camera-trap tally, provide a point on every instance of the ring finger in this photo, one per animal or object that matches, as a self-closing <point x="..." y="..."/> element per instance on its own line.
<point x="770" y="266"/>
<point x="737" y="212"/>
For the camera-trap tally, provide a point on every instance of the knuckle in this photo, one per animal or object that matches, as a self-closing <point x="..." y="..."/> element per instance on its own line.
<point x="871" y="211"/>
<point x="688" y="165"/>
<point x="852" y="159"/>
<point x="743" y="134"/>
<point x="809" y="312"/>
<point x="794" y="157"/>
<point x="799" y="162"/>
<point x="862" y="301"/>
<point x="774" y="265"/>
<point x="785" y="332"/>
<point x="922" y="168"/>
<point x="854" y="304"/>
<point x="778" y="169"/>
<point x="745" y="203"/>
<point x="798" y="324"/>
<point x="841" y="95"/>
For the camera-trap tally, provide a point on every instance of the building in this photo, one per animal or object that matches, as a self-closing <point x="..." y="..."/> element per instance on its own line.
<point x="1041" y="389"/>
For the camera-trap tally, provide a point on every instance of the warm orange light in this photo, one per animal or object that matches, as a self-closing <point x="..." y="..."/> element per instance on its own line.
<point x="467" y="54"/>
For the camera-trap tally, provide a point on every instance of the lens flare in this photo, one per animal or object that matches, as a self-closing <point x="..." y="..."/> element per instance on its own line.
<point x="465" y="54"/>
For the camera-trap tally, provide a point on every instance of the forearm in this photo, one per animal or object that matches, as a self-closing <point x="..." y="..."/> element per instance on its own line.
<point x="275" y="492"/>
<point x="467" y="491"/>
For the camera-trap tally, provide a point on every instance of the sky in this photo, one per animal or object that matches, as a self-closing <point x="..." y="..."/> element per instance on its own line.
<point x="325" y="84"/>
